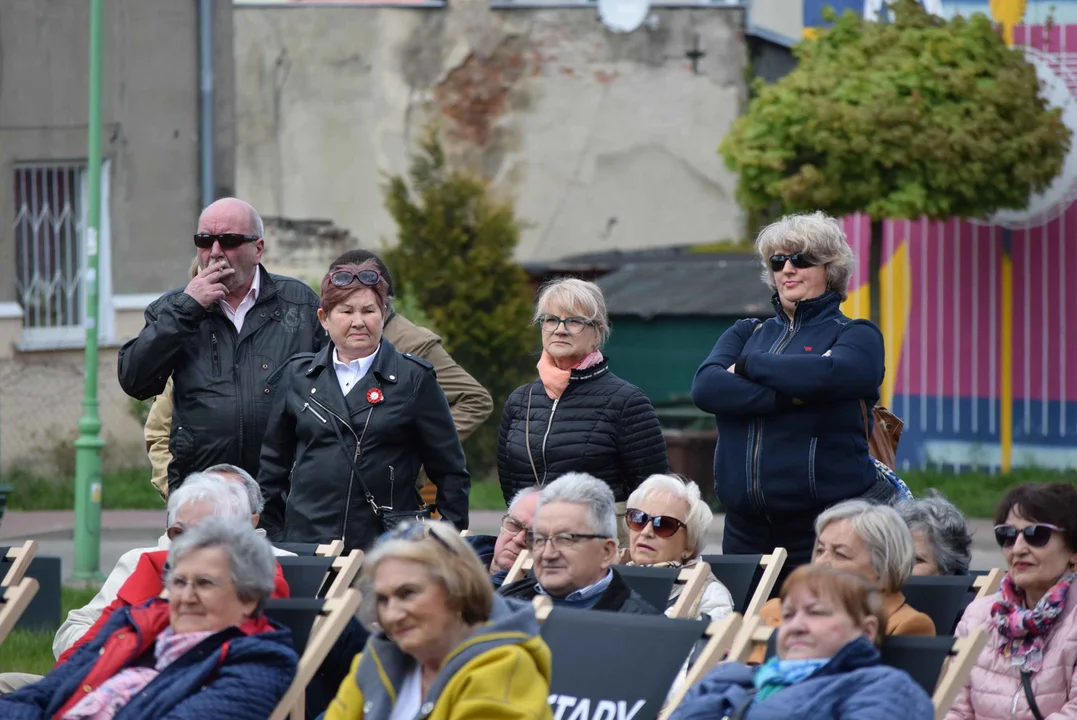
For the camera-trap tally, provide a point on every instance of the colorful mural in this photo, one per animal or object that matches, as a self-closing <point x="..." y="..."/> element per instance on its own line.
<point x="980" y="362"/>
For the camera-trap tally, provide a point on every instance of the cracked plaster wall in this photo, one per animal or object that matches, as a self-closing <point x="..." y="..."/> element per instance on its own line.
<point x="604" y="141"/>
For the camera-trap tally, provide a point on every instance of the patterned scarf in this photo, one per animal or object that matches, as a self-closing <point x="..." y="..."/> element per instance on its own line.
<point x="775" y="674"/>
<point x="1021" y="630"/>
<point x="111" y="695"/>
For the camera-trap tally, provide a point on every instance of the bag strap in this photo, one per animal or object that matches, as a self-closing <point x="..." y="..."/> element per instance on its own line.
<point x="864" y="415"/>
<point x="352" y="458"/>
<point x="741" y="710"/>
<point x="1026" y="683"/>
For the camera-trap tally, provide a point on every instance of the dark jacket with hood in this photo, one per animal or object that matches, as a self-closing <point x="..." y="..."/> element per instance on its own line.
<point x="221" y="379"/>
<point x="500" y="672"/>
<point x="794" y="417"/>
<point x="852" y="686"/>
<point x="601" y="425"/>
<point x="321" y="447"/>
<point x="617" y="597"/>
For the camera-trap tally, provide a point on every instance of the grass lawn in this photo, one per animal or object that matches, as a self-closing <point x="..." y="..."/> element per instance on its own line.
<point x="31" y="652"/>
<point x="977" y="493"/>
<point x="124" y="489"/>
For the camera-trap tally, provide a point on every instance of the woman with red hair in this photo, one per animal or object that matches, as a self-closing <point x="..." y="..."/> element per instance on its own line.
<point x="351" y="426"/>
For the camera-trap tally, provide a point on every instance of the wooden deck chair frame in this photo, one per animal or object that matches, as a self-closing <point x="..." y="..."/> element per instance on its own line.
<point x="466" y="533"/>
<point x="523" y="565"/>
<point x="336" y="612"/>
<point x="330" y="549"/>
<point x="16" y="599"/>
<point x="987" y="585"/>
<point x="753" y="632"/>
<point x="694" y="580"/>
<point x="956" y="671"/>
<point x="347" y="567"/>
<point x="772" y="565"/>
<point x="720" y="636"/>
<point x="20" y="556"/>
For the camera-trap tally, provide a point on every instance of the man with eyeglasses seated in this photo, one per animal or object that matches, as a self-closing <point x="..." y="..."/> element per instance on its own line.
<point x="574" y="545"/>
<point x="499" y="552"/>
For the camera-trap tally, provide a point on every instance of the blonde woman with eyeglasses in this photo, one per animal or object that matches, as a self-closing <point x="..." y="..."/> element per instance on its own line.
<point x="443" y="646"/>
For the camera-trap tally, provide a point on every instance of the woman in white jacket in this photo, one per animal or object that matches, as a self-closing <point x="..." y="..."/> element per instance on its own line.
<point x="667" y="527"/>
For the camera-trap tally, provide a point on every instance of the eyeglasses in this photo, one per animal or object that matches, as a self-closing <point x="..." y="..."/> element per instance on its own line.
<point x="415" y="532"/>
<point x="228" y="241"/>
<point x="344" y="278"/>
<point x="664" y="525"/>
<point x="799" y="260"/>
<point x="511" y="525"/>
<point x="1035" y="535"/>
<point x="200" y="585"/>
<point x="560" y="541"/>
<point x="573" y="325"/>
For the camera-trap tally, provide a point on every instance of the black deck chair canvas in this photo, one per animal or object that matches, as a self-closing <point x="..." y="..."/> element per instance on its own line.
<point x="653" y="584"/>
<point x="317" y="576"/>
<point x="750" y="579"/>
<point x="596" y="673"/>
<point x="942" y="598"/>
<point x="330" y="549"/>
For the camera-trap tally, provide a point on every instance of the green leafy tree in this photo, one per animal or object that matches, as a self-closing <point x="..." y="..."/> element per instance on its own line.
<point x="918" y="117"/>
<point x="455" y="251"/>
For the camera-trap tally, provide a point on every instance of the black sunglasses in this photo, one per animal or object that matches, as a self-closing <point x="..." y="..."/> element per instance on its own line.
<point x="799" y="260"/>
<point x="1035" y="535"/>
<point x="228" y="241"/>
<point x="664" y="525"/>
<point x="344" y="278"/>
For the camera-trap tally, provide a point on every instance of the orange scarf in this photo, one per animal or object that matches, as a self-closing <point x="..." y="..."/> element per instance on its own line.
<point x="554" y="379"/>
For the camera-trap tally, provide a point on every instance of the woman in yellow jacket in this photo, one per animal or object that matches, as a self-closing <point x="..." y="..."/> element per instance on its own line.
<point x="443" y="646"/>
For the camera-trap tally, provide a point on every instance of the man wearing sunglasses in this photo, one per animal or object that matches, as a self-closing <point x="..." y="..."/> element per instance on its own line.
<point x="573" y="542"/>
<point x="221" y="340"/>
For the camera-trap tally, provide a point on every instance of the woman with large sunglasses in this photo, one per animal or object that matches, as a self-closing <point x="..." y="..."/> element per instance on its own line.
<point x="578" y="416"/>
<point x="793" y="396"/>
<point x="352" y="425"/>
<point x="1027" y="669"/>
<point x="442" y="645"/>
<point x="667" y="527"/>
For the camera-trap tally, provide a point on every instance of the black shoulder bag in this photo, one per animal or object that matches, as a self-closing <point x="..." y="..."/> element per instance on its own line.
<point x="1026" y="683"/>
<point x="388" y="517"/>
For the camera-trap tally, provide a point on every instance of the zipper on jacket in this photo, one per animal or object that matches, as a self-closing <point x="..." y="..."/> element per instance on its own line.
<point x="215" y="345"/>
<point x="755" y="492"/>
<point x="306" y="406"/>
<point x="549" y="425"/>
<point x="355" y="458"/>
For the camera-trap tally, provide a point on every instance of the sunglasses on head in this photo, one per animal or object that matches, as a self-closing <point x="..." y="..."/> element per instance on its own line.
<point x="344" y="278"/>
<point x="664" y="525"/>
<point x="1035" y="535"/>
<point x="799" y="260"/>
<point x="228" y="241"/>
<point x="415" y="532"/>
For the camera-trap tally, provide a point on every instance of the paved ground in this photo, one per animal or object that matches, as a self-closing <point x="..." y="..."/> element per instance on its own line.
<point x="122" y="530"/>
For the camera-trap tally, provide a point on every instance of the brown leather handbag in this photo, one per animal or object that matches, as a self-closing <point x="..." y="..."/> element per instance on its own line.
<point x="884" y="437"/>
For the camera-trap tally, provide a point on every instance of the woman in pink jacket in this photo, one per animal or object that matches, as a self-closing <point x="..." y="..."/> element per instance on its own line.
<point x="1027" y="670"/>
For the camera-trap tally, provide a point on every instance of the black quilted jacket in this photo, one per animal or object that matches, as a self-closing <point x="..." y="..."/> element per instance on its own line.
<point x="600" y="425"/>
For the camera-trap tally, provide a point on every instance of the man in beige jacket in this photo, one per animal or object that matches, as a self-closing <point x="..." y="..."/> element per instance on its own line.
<point x="469" y="401"/>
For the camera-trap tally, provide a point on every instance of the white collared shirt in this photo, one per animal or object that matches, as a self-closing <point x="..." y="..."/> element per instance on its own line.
<point x="240" y="313"/>
<point x="348" y="374"/>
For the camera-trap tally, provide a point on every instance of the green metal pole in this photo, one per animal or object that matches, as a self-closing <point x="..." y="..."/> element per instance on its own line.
<point x="89" y="444"/>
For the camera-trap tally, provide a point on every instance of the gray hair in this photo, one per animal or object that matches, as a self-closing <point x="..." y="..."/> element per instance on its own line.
<point x="815" y="234"/>
<point x="884" y="532"/>
<point x="254" y="490"/>
<point x="523" y="495"/>
<point x="250" y="557"/>
<point x="587" y="490"/>
<point x="257" y="226"/>
<point x="699" y="516"/>
<point x="227" y="498"/>
<point x="944" y="527"/>
<point x="576" y="296"/>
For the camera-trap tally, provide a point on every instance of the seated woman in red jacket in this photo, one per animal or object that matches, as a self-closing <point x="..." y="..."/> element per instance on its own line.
<point x="205" y="652"/>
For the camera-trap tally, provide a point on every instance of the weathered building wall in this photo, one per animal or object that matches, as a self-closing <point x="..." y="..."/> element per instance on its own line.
<point x="604" y="141"/>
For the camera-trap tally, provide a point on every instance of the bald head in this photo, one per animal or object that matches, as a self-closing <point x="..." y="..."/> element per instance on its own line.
<point x="230" y="215"/>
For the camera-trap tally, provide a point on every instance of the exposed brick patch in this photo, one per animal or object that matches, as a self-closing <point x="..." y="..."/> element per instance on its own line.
<point x="476" y="93"/>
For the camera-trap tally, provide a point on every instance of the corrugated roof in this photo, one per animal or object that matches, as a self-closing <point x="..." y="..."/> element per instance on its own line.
<point x="714" y="284"/>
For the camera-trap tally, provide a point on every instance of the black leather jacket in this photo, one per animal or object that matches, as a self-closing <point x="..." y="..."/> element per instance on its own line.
<point x="221" y="394"/>
<point x="322" y="446"/>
